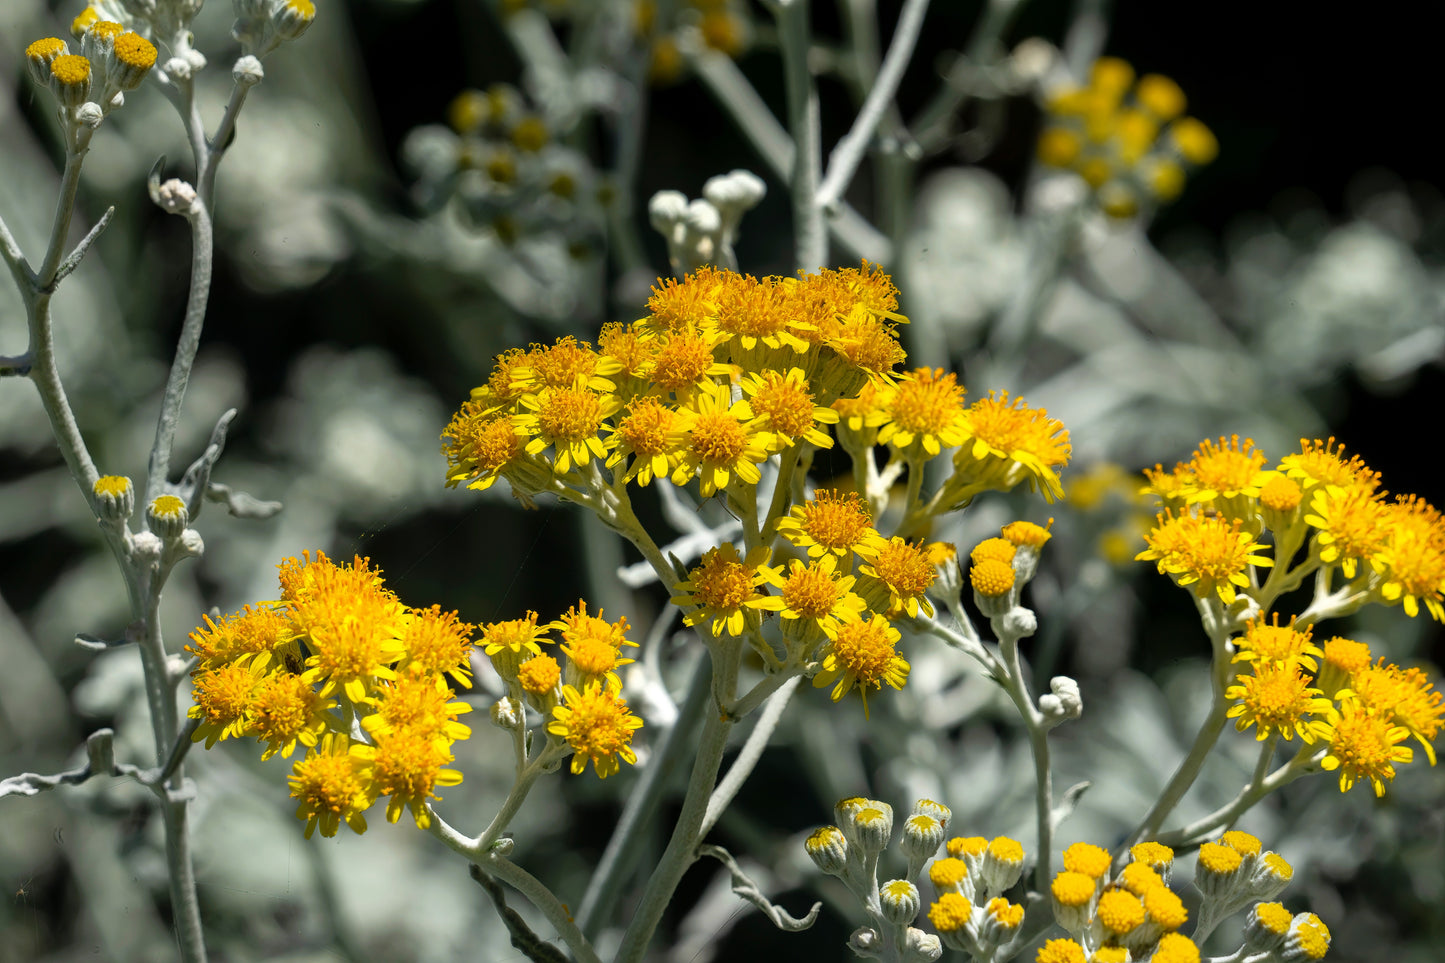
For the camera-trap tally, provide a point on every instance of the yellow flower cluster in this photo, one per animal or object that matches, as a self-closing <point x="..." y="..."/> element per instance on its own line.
<point x="1220" y="503"/>
<point x="721" y="25"/>
<point x="342" y="666"/>
<point x="1129" y="141"/>
<point x="969" y="911"/>
<point x="725" y="372"/>
<point x="584" y="704"/>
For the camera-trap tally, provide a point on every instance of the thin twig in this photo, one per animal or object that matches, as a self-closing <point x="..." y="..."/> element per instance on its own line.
<point x="848" y="154"/>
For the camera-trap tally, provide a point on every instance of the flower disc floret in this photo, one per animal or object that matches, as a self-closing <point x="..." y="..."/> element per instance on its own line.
<point x="950" y="913"/>
<point x="1072" y="888"/>
<point x="991" y="578"/>
<point x="1119" y="911"/>
<point x="1060" y="951"/>
<point x="1092" y="861"/>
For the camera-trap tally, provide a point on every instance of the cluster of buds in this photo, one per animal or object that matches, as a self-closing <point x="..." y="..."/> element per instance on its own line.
<point x="501" y="160"/>
<point x="703" y="231"/>
<point x="263" y="25"/>
<point x="1001" y="567"/>
<point x="851" y="850"/>
<point x="1134" y="914"/>
<point x="1129" y="141"/>
<point x="970" y="912"/>
<point x="167" y="517"/>
<point x="91" y="83"/>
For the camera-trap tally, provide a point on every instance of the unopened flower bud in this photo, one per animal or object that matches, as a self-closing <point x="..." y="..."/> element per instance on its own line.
<point x="166" y="516"/>
<point x="130" y="60"/>
<point x="898" y="898"/>
<point x="1001" y="921"/>
<point x="665" y="210"/>
<point x="1020" y="622"/>
<point x="1308" y="940"/>
<point x="1216" y="875"/>
<point x="114" y="497"/>
<point x="1272" y="873"/>
<point x="920" y="947"/>
<point x="922" y="835"/>
<point x="507" y="713"/>
<point x="89" y="114"/>
<point x="177" y="68"/>
<point x="1266" y="927"/>
<point x="1063" y="701"/>
<point x="828" y="849"/>
<point x="874" y="827"/>
<point x="864" y="942"/>
<point x="1002" y="865"/>
<point x="247" y="71"/>
<point x="292" y="18"/>
<point x="174" y="196"/>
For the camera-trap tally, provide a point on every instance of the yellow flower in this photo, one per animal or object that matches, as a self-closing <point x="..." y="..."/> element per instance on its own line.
<point x="1343" y="658"/>
<point x="1353" y="525"/>
<point x="1093" y="861"/>
<point x="351" y="624"/>
<point x="689" y="303"/>
<point x="566" y="419"/>
<point x="330" y="786"/>
<point x="598" y="726"/>
<point x="286" y="710"/>
<point x="1008" y="442"/>
<point x="860" y="416"/>
<point x="1059" y="951"/>
<point x="724" y="589"/>
<point x="683" y="364"/>
<point x="832" y="521"/>
<point x="1364" y="745"/>
<point x="1278" y="698"/>
<point x="652" y="434"/>
<point x="1226" y="472"/>
<point x="1412" y="560"/>
<point x="480" y="446"/>
<point x="406" y="764"/>
<point x="511" y="643"/>
<point x="421" y="704"/>
<point x="812" y="597"/>
<point x="223" y="697"/>
<point x="784" y="406"/>
<point x="951" y="913"/>
<point x="925" y="412"/>
<point x="438" y="644"/>
<point x="242" y="637"/>
<point x="563" y="365"/>
<point x="1206" y="552"/>
<point x="897" y="572"/>
<point x="1406" y="697"/>
<point x="593" y="646"/>
<point x="861" y="654"/>
<point x="723" y="442"/>
<point x="1321" y="463"/>
<point x="1276" y="644"/>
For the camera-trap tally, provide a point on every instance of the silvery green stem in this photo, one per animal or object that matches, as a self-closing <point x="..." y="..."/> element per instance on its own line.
<point x="1211" y="613"/>
<point x="810" y="239"/>
<point x="751" y="752"/>
<point x="1196" y="832"/>
<point x="1033" y="719"/>
<point x="523" y="882"/>
<point x="622" y="850"/>
<point x="681" y="849"/>
<point x="733" y="92"/>
<point x="844" y="160"/>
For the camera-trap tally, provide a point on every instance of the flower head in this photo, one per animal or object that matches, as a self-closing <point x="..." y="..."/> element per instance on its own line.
<point x="1008" y="442"/>
<point x="652" y="434"/>
<point x="831" y="521"/>
<point x="1364" y="745"/>
<point x="513" y="642"/>
<point x="812" y="596"/>
<point x="925" y="412"/>
<point x="406" y="765"/>
<point x="598" y="725"/>
<point x="330" y="787"/>
<point x="861" y="654"/>
<point x="784" y="406"/>
<point x="1206" y="552"/>
<point x="724" y="442"/>
<point x="1278" y="698"/>
<point x="897" y="574"/>
<point x="724" y="589"/>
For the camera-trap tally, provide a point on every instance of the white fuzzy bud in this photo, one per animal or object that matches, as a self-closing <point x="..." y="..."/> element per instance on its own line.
<point x="507" y="713"/>
<point x="920" y="947"/>
<point x="1020" y="622"/>
<point x="665" y="210"/>
<point x="89" y="114"/>
<point x="177" y="68"/>
<point x="898" y="898"/>
<point x="175" y="196"/>
<point x="865" y="943"/>
<point x="247" y="72"/>
<point x="1063" y="701"/>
